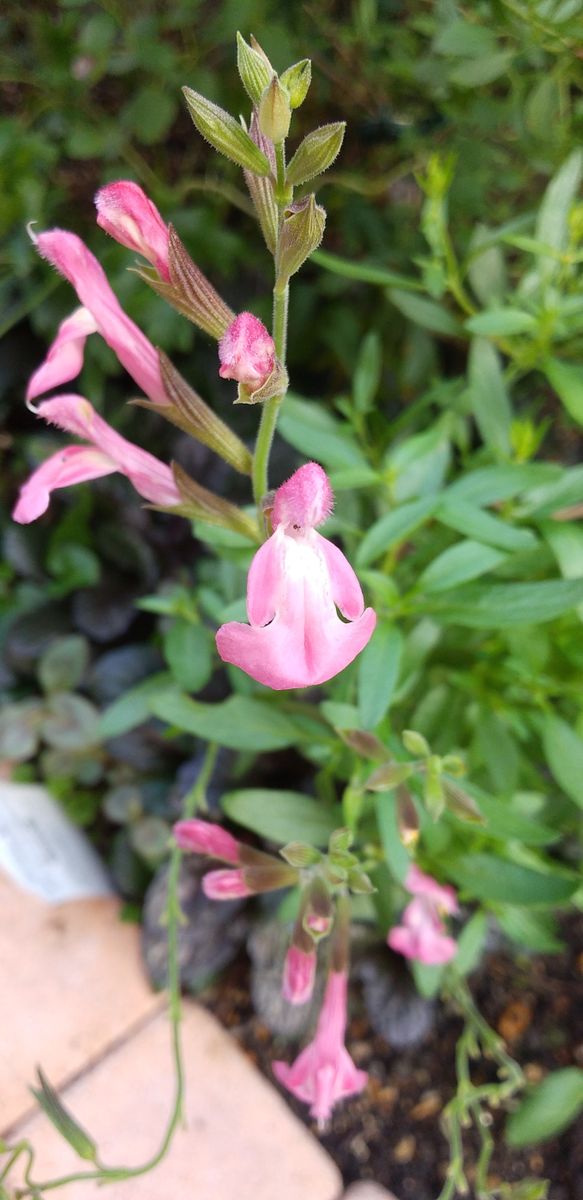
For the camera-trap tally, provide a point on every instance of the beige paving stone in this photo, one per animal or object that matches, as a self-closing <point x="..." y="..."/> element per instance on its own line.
<point x="71" y="985"/>
<point x="241" y="1141"/>
<point x="367" y="1191"/>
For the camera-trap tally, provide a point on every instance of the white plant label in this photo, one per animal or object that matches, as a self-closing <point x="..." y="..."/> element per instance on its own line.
<point x="42" y="851"/>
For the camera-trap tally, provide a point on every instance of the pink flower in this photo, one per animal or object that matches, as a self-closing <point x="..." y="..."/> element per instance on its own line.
<point x="225" y="885"/>
<point x="102" y="312"/>
<point x="125" y="212"/>
<point x="202" y="837"/>
<point x="107" y="452"/>
<point x="422" y="934"/>
<point x="299" y="973"/>
<point x="247" y="352"/>
<point x="324" y="1072"/>
<point x="295" y="637"/>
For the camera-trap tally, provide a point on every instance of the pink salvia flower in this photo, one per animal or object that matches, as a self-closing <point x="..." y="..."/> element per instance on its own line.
<point x="107" y="452"/>
<point x="247" y="352"/>
<point x="324" y="1072"/>
<point x="202" y="837"/>
<point x="72" y="258"/>
<point x="422" y="934"/>
<point x="295" y="637"/>
<point x="128" y="215"/>
<point x="225" y="885"/>
<point x="65" y="357"/>
<point x="299" y="973"/>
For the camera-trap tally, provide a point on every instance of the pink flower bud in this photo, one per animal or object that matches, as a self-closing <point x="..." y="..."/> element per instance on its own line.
<point x="225" y="885"/>
<point x="303" y="501"/>
<point x="125" y="212"/>
<point x="299" y="973"/>
<point x="247" y="352"/>
<point x="202" y="837"/>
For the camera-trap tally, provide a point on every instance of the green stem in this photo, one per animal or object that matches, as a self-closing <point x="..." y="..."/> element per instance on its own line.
<point x="195" y="799"/>
<point x="270" y="411"/>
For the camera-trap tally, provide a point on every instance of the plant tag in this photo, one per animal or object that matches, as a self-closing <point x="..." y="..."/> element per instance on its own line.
<point x="42" y="851"/>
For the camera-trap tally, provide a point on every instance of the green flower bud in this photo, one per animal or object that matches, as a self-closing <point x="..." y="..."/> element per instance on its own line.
<point x="274" y="112"/>
<point x="296" y="80"/>
<point x="254" y="69"/>
<point x="316" y="153"/>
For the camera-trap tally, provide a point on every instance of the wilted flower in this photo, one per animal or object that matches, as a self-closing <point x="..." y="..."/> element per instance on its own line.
<point x="422" y="934"/>
<point x="295" y="637"/>
<point x="324" y="1072"/>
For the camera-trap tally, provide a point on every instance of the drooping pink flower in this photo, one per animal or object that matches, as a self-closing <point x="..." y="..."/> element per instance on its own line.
<point x="72" y="258"/>
<point x="247" y="352"/>
<point x="324" y="1072"/>
<point x="202" y="837"/>
<point x="295" y="637"/>
<point x="225" y="885"/>
<point x="299" y="973"/>
<point x="422" y="934"/>
<point x="108" y="451"/>
<point x="128" y="215"/>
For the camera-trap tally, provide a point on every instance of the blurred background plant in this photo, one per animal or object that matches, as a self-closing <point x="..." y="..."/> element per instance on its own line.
<point x="438" y="329"/>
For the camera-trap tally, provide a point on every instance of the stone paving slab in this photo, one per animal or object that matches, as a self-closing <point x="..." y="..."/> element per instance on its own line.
<point x="72" y="986"/>
<point x="241" y="1140"/>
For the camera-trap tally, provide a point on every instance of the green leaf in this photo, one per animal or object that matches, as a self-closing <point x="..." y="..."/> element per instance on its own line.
<point x="486" y="268"/>
<point x="63" y="664"/>
<point x="425" y="313"/>
<point x="499" y="752"/>
<point x="489" y="401"/>
<point x="491" y="878"/>
<point x="564" y="753"/>
<point x="477" y="72"/>
<point x="394" y="527"/>
<point x="187" y="649"/>
<point x="505" y="604"/>
<point x="552" y="226"/>
<point x="464" y="39"/>
<point x="547" y="1108"/>
<point x="242" y="723"/>
<point x="364" y="272"/>
<point x="489" y="485"/>
<point x="535" y="930"/>
<point x="282" y="816"/>
<point x="467" y="560"/>
<point x="367" y="373"/>
<point x="470" y="944"/>
<point x="149" y="114"/>
<point x="484" y="527"/>
<point x="60" y="1117"/>
<point x="567" y="380"/>
<point x="396" y="857"/>
<point x="319" y="435"/>
<point x="133" y="708"/>
<point x="378" y="672"/>
<point x="428" y="979"/>
<point x="504" y="822"/>
<point x="501" y="322"/>
<point x="71" y="722"/>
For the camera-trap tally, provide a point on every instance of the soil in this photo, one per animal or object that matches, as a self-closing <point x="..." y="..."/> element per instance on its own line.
<point x="391" y="1134"/>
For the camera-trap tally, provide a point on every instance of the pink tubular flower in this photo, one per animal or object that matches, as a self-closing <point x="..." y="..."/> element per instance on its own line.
<point x="107" y="452"/>
<point x="125" y="212"/>
<point x="225" y="885"/>
<point x="247" y="352"/>
<point x="202" y="837"/>
<point x="295" y="637"/>
<point x="102" y="313"/>
<point x="324" y="1072"/>
<point x="299" y="973"/>
<point x="422" y="934"/>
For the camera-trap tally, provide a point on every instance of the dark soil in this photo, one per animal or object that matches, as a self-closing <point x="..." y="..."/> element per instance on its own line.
<point x="391" y="1134"/>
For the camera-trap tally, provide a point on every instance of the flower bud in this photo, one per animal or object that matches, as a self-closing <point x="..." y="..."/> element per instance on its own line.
<point x="202" y="837"/>
<point x="299" y="973"/>
<point x="296" y="80"/>
<point x="316" y="153"/>
<point x="225" y="885"/>
<point x="125" y="212"/>
<point x="274" y="112"/>
<point x="225" y="134"/>
<point x="318" y="910"/>
<point x="254" y="69"/>
<point x="301" y="234"/>
<point x="247" y="352"/>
